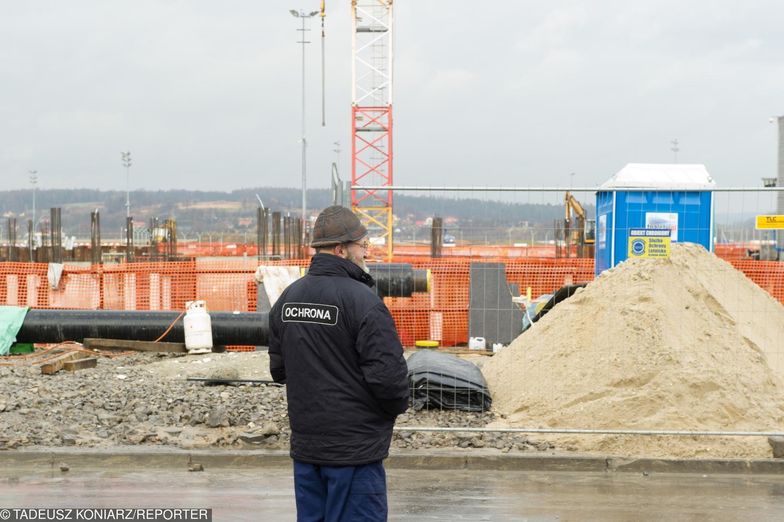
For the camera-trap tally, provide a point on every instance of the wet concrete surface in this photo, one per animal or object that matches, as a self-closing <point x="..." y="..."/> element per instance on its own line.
<point x="267" y="494"/>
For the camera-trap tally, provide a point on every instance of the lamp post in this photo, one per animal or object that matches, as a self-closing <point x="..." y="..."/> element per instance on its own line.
<point x="780" y="182"/>
<point x="126" y="161"/>
<point x="34" y="183"/>
<point x="302" y="15"/>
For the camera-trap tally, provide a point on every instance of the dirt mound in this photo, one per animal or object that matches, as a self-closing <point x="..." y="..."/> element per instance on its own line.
<point x="686" y="343"/>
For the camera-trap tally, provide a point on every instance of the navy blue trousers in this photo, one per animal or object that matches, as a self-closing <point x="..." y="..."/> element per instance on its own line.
<point x="340" y="493"/>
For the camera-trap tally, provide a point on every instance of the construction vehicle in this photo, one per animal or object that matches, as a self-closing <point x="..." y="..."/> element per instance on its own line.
<point x="578" y="229"/>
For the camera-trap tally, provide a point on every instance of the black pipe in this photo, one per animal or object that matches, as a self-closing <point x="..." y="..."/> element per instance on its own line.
<point x="398" y="279"/>
<point x="56" y="326"/>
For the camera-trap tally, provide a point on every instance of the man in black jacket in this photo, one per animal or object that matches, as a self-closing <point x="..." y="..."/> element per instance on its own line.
<point x="333" y="343"/>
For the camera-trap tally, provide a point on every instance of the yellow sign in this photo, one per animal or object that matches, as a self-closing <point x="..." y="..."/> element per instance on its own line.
<point x="649" y="243"/>
<point x="770" y="222"/>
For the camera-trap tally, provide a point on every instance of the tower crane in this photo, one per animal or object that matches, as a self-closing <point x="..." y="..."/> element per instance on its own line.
<point x="371" y="115"/>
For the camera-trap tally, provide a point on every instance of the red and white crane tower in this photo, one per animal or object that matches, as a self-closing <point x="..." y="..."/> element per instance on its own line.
<point x="371" y="115"/>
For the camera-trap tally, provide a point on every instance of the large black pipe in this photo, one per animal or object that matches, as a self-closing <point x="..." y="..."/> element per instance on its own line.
<point x="56" y="326"/>
<point x="398" y="279"/>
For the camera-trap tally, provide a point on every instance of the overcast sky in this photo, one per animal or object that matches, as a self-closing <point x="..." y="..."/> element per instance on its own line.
<point x="206" y="94"/>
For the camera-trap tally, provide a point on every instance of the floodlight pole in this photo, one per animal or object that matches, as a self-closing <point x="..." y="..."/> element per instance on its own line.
<point x="302" y="15"/>
<point x="126" y="161"/>
<point x="34" y="183"/>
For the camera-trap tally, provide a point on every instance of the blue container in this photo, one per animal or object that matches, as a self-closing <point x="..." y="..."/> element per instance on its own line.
<point x="678" y="197"/>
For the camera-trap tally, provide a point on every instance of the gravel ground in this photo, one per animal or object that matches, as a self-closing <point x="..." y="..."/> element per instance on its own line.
<point x="145" y="399"/>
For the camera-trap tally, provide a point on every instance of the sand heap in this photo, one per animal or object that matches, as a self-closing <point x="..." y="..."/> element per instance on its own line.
<point x="686" y="343"/>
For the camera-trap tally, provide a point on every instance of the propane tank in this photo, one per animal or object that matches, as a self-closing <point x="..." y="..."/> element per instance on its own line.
<point x="198" y="327"/>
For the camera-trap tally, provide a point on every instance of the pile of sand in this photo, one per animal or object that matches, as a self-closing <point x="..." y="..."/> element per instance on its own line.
<point x="686" y="343"/>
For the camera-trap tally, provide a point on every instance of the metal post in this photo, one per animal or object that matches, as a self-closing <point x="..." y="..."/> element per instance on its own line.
<point x="304" y="141"/>
<point x="154" y="239"/>
<point x="12" y="239"/>
<point x="171" y="246"/>
<point x="95" y="237"/>
<point x="323" y="73"/>
<point x="56" y="235"/>
<point x="45" y="252"/>
<point x="276" y="235"/>
<point x="30" y="239"/>
<point x="126" y="161"/>
<point x="303" y="16"/>
<point x="260" y="225"/>
<point x="263" y="232"/>
<point x="287" y="237"/>
<point x="128" y="239"/>
<point x="34" y="183"/>
<point x="780" y="183"/>
<point x="299" y="247"/>
<point x="436" y="237"/>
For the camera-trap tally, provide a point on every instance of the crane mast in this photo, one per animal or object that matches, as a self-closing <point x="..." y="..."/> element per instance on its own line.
<point x="371" y="115"/>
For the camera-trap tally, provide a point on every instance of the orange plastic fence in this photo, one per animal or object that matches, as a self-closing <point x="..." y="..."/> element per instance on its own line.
<point x="768" y="275"/>
<point x="443" y="313"/>
<point x="734" y="251"/>
<point x="227" y="284"/>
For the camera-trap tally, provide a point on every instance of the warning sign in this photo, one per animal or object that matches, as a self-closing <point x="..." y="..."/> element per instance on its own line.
<point x="649" y="242"/>
<point x="770" y="222"/>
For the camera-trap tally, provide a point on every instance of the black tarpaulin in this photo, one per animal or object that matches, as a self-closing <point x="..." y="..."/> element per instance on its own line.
<point x="443" y="381"/>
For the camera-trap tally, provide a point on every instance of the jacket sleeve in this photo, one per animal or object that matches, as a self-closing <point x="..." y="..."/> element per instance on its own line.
<point x="381" y="360"/>
<point x="276" y="366"/>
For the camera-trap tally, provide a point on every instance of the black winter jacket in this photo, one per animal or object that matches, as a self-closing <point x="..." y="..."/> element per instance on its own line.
<point x="334" y="344"/>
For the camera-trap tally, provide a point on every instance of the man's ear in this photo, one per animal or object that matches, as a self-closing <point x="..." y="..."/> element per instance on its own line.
<point x="340" y="250"/>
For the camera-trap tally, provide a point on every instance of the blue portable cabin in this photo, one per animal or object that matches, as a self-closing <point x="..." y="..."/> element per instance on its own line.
<point x="678" y="197"/>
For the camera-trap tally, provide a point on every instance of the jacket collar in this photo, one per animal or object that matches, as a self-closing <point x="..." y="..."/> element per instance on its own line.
<point x="331" y="265"/>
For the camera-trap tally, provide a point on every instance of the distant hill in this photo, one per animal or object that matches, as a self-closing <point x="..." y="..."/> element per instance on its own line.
<point x="201" y="212"/>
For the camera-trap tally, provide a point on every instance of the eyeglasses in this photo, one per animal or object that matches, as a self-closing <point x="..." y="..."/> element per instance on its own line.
<point x="364" y="245"/>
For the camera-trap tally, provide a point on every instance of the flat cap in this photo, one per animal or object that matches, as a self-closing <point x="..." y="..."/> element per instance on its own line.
<point x="336" y="225"/>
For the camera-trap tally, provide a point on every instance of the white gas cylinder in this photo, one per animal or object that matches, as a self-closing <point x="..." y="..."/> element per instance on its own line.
<point x="198" y="327"/>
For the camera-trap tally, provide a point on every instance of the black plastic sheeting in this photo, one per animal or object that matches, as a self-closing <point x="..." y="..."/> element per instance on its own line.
<point x="443" y="381"/>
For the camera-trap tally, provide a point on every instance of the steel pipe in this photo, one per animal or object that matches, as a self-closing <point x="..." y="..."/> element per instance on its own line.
<point x="398" y="279"/>
<point x="56" y="326"/>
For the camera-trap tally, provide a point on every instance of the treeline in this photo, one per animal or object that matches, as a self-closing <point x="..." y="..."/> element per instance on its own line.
<point x="193" y="212"/>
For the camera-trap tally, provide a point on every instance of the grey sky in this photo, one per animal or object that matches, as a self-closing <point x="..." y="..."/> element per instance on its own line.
<point x="206" y="94"/>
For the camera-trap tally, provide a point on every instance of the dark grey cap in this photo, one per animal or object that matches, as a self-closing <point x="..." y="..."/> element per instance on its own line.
<point x="336" y="225"/>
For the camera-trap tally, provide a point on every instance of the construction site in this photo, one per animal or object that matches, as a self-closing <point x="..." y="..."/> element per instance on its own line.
<point x="636" y="325"/>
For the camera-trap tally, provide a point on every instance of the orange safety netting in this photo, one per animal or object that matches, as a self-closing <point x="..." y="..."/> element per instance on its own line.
<point x="442" y="314"/>
<point x="228" y="284"/>
<point x="734" y="251"/>
<point x="768" y="275"/>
